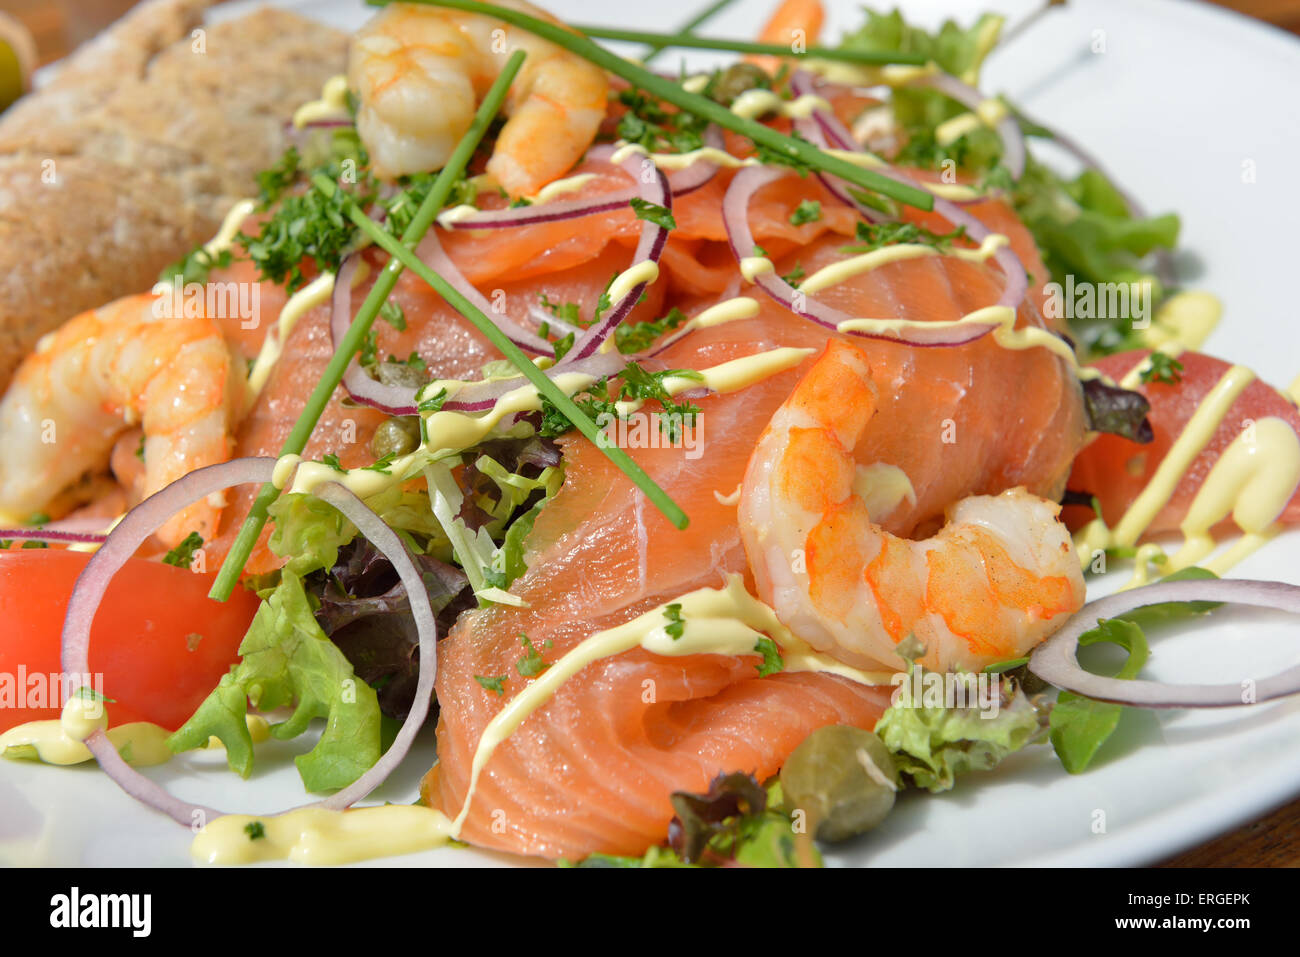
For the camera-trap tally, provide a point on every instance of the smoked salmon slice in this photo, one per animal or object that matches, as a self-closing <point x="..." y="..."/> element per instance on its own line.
<point x="592" y="769"/>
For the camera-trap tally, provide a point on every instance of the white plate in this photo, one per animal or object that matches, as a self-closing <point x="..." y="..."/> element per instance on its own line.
<point x="1182" y="100"/>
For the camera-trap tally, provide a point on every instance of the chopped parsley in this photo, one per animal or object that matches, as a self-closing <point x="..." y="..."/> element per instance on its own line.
<point x="195" y="267"/>
<point x="653" y="213"/>
<point x="497" y="684"/>
<point x="274" y="182"/>
<point x="795" y="275"/>
<point x="808" y="211"/>
<point x="332" y="461"/>
<point x="182" y="556"/>
<point x="639" y="336"/>
<point x="873" y="236"/>
<point x="1162" y="367"/>
<point x="772" y="660"/>
<point x="676" y="627"/>
<point x="393" y="313"/>
<point x="650" y="124"/>
<point x="255" y="830"/>
<point x="531" y="664"/>
<point x="139" y="450"/>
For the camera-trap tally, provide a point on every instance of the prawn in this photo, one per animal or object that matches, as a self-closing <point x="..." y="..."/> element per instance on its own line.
<point x="998" y="578"/>
<point x="419" y="72"/>
<point x="97" y="376"/>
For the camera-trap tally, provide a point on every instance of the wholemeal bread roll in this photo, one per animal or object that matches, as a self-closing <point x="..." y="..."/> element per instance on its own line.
<point x="132" y="155"/>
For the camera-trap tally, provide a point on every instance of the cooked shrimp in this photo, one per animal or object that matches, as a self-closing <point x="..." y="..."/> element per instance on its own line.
<point x="419" y="72"/>
<point x="993" y="582"/>
<point x="96" y="376"/>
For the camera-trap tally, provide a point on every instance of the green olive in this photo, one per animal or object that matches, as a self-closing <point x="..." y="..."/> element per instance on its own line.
<point x="397" y="436"/>
<point x="843" y="779"/>
<point x="736" y="79"/>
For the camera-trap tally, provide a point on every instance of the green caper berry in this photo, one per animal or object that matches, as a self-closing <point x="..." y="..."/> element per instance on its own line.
<point x="396" y="436"/>
<point x="736" y="79"/>
<point x="843" y="779"/>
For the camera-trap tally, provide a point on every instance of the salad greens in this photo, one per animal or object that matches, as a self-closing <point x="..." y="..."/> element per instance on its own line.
<point x="1083" y="226"/>
<point x="931" y="745"/>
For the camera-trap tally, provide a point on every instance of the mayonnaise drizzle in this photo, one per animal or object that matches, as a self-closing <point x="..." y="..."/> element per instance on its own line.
<point x="450" y="432"/>
<point x="846" y="269"/>
<point x="752" y="104"/>
<point x="724" y="621"/>
<point x="332" y="105"/>
<point x="141" y="743"/>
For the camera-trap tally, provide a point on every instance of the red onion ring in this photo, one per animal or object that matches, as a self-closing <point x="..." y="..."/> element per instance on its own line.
<point x="735" y="208"/>
<point x="1008" y="128"/>
<point x="51" y="534"/>
<point x="1054" y="661"/>
<point x="482" y="396"/>
<point x="649" y="248"/>
<point x="680" y="182"/>
<point x="141" y="522"/>
<point x="824" y="130"/>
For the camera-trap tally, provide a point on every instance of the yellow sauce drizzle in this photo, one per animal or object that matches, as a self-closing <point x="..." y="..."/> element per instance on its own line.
<point x="846" y="269"/>
<point x="141" y="743"/>
<point x="988" y="113"/>
<point x="758" y="102"/>
<point x="332" y="105"/>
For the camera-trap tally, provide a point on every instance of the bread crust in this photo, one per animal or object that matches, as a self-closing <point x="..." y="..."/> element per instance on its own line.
<point x="132" y="155"/>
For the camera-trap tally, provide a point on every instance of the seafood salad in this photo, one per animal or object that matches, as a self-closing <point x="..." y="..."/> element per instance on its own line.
<point x="705" y="459"/>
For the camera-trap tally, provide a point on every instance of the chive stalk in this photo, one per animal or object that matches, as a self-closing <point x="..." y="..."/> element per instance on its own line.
<point x="548" y="389"/>
<point x="690" y="41"/>
<point x="242" y="548"/>
<point x="708" y="13"/>
<point x="795" y="149"/>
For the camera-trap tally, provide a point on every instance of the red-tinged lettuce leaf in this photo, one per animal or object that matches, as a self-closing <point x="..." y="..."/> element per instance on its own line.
<point x="365" y="610"/>
<point x="1118" y="411"/>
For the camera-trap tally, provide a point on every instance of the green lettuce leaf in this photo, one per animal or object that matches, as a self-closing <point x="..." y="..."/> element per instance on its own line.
<point x="932" y="745"/>
<point x="1080" y="726"/>
<point x="287" y="661"/>
<point x="309" y="531"/>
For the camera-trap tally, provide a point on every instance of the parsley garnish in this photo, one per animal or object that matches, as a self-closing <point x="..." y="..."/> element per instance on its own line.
<point x="195" y="267"/>
<point x="182" y="556"/>
<point x="332" y="461"/>
<point x="139" y="451"/>
<point x="497" y="684"/>
<point x="255" y="830"/>
<point x="795" y="275"/>
<point x="381" y="465"/>
<point x="808" y="211"/>
<point x="394" y="314"/>
<point x="1162" y="367"/>
<point x="676" y="627"/>
<point x="272" y="183"/>
<point x="531" y="664"/>
<point x="639" y="336"/>
<point x="653" y="213"/>
<point x="772" y="660"/>
<point x="873" y="236"/>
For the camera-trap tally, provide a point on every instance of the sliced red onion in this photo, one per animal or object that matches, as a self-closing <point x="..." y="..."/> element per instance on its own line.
<point x="648" y="249"/>
<point x="51" y="534"/>
<point x="1054" y="661"/>
<point x="824" y="130"/>
<point x="680" y="182"/>
<point x="1008" y="128"/>
<point x="735" y="215"/>
<point x="141" y="522"/>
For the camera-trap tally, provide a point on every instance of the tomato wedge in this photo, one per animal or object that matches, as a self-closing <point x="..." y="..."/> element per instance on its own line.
<point x="158" y="641"/>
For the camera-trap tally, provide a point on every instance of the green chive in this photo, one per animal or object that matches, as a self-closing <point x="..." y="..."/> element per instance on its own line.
<point x="536" y="376"/>
<point x="708" y="13"/>
<point x="667" y="90"/>
<point x="356" y="334"/>
<point x="690" y="41"/>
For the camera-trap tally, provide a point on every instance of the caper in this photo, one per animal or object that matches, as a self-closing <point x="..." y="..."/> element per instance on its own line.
<point x="736" y="79"/>
<point x="843" y="779"/>
<point x="396" y="436"/>
<point x="401" y="374"/>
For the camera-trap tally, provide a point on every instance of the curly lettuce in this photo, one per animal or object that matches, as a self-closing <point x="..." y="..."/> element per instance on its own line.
<point x="932" y="745"/>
